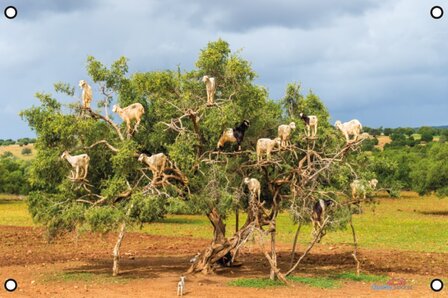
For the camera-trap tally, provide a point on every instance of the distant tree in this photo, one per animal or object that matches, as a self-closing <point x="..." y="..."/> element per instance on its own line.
<point x="375" y="132"/>
<point x="13" y="175"/>
<point x="429" y="172"/>
<point x="7" y="154"/>
<point x="427" y="130"/>
<point x="387" y="131"/>
<point x="291" y="100"/>
<point x="426" y="136"/>
<point x="26" y="151"/>
<point x="369" y="144"/>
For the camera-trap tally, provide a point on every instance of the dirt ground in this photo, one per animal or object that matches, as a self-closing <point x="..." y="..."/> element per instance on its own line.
<point x="151" y="266"/>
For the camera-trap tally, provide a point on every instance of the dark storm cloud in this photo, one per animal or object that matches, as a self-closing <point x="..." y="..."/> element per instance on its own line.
<point x="384" y="63"/>
<point x="237" y="16"/>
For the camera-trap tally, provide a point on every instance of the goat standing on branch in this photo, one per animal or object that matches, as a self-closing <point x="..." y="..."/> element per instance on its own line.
<point x="254" y="187"/>
<point x="79" y="162"/>
<point x="373" y="183"/>
<point x="284" y="133"/>
<point x="156" y="163"/>
<point x="266" y="145"/>
<point x="310" y="123"/>
<point x="318" y="215"/>
<point x="233" y="135"/>
<point x="86" y="94"/>
<point x="134" y="111"/>
<point x="353" y="127"/>
<point x="210" y="85"/>
<point x="361" y="188"/>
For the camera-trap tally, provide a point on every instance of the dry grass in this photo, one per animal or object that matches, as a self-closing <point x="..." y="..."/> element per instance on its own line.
<point x="16" y="150"/>
<point x="382" y="141"/>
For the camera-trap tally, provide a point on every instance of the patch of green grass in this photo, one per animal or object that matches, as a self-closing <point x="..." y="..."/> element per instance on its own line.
<point x="322" y="282"/>
<point x="410" y="223"/>
<point x="361" y="277"/>
<point x="416" y="136"/>
<point x="84" y="277"/>
<point x="317" y="282"/>
<point x="260" y="283"/>
<point x="14" y="212"/>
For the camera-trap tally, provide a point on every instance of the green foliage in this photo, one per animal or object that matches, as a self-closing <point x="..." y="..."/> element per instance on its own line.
<point x="7" y="154"/>
<point x="419" y="168"/>
<point x="26" y="151"/>
<point x="103" y="219"/>
<point x="166" y="95"/>
<point x="178" y="206"/>
<point x="431" y="173"/>
<point x="178" y="123"/>
<point x="56" y="212"/>
<point x="147" y="208"/>
<point x="13" y="174"/>
<point x="426" y="137"/>
<point x="291" y="100"/>
<point x="369" y="144"/>
<point x="7" y="142"/>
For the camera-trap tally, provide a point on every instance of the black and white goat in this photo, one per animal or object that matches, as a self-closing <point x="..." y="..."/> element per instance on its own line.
<point x="318" y="215"/>
<point x="195" y="258"/>
<point x="311" y="124"/>
<point x="233" y="135"/>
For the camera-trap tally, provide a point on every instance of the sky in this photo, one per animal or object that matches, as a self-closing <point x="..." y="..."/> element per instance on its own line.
<point x="384" y="62"/>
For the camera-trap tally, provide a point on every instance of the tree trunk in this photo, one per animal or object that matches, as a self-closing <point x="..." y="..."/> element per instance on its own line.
<point x="273" y="255"/>
<point x="355" y="248"/>
<point x="220" y="245"/>
<point x="237" y="219"/>
<point x="116" y="252"/>
<point x="293" y="253"/>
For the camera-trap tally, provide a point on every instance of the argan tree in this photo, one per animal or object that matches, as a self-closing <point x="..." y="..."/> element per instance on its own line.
<point x="119" y="190"/>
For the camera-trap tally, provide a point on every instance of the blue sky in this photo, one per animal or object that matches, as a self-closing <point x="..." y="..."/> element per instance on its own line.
<point x="382" y="62"/>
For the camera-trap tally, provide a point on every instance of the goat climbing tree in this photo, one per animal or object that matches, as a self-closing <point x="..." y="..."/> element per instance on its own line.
<point x="120" y="191"/>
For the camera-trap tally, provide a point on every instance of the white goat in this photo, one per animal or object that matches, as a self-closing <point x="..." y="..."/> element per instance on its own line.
<point x="155" y="162"/>
<point x="266" y="145"/>
<point x="181" y="286"/>
<point x="310" y="123"/>
<point x="358" y="189"/>
<point x="353" y="127"/>
<point x="284" y="133"/>
<point x="86" y="94"/>
<point x="129" y="113"/>
<point x="79" y="162"/>
<point x="361" y="188"/>
<point x="373" y="183"/>
<point x="210" y="85"/>
<point x="254" y="187"/>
